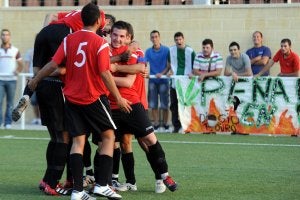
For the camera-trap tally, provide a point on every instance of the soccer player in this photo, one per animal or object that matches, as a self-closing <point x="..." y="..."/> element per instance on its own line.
<point x="137" y="121"/>
<point x="87" y="109"/>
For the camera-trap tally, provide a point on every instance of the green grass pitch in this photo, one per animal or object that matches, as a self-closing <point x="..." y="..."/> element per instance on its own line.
<point x="206" y="167"/>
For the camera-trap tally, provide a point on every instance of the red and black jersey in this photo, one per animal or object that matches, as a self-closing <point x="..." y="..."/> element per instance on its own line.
<point x="127" y="93"/>
<point x="71" y="19"/>
<point x="86" y="55"/>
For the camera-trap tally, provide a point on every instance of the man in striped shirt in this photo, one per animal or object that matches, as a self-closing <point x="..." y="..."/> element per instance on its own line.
<point x="207" y="63"/>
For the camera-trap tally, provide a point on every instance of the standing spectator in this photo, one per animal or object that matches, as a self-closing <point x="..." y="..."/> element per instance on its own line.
<point x="181" y="60"/>
<point x="208" y="63"/>
<point x="28" y="68"/>
<point x="10" y="65"/>
<point x="157" y="56"/>
<point x="288" y="60"/>
<point x="259" y="54"/>
<point x="237" y="63"/>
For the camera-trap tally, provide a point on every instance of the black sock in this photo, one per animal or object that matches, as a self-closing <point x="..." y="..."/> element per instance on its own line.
<point x="77" y="171"/>
<point x="128" y="166"/>
<point x="157" y="155"/>
<point x="104" y="171"/>
<point x="153" y="166"/>
<point x="59" y="162"/>
<point x="96" y="166"/>
<point x="87" y="162"/>
<point x="49" y="159"/>
<point x="116" y="161"/>
<point x="27" y="91"/>
<point x="69" y="173"/>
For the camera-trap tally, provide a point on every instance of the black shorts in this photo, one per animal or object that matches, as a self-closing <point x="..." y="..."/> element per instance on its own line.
<point x="136" y="122"/>
<point x="94" y="118"/>
<point x="51" y="103"/>
<point x="47" y="42"/>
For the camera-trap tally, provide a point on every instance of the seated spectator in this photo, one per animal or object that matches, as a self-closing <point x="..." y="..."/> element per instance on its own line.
<point x="288" y="60"/>
<point x="237" y="63"/>
<point x="207" y="63"/>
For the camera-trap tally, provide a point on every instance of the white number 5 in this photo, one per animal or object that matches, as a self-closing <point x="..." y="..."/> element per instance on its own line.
<point x="80" y="51"/>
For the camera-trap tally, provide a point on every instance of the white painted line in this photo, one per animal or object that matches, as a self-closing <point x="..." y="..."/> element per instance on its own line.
<point x="11" y="137"/>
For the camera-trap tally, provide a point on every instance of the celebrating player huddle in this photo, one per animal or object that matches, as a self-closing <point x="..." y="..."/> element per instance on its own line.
<point x="108" y="106"/>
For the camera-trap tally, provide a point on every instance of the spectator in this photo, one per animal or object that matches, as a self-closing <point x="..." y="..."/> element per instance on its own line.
<point x="288" y="60"/>
<point x="10" y="65"/>
<point x="208" y="63"/>
<point x="181" y="60"/>
<point x="28" y="68"/>
<point x="259" y="54"/>
<point x="237" y="63"/>
<point x="157" y="56"/>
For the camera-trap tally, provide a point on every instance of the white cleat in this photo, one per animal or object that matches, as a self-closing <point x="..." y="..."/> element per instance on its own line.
<point x="19" y="109"/>
<point x="81" y="196"/>
<point x="160" y="186"/>
<point x="106" y="191"/>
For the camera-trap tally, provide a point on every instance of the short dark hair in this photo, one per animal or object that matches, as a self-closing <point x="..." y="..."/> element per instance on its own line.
<point x="178" y="34"/>
<point x="155" y="31"/>
<point x="90" y="13"/>
<point x="122" y="25"/>
<point x="286" y="40"/>
<point x="234" y="44"/>
<point x="208" y="41"/>
<point x="111" y="17"/>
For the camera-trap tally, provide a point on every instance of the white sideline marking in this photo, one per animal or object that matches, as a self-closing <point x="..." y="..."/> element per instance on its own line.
<point x="11" y="137"/>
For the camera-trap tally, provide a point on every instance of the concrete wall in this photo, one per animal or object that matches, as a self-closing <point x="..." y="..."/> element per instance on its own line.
<point x="221" y="23"/>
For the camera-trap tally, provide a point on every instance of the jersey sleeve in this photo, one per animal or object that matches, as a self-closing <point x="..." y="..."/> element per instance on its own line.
<point x="267" y="52"/>
<point x="276" y="57"/>
<point x="103" y="57"/>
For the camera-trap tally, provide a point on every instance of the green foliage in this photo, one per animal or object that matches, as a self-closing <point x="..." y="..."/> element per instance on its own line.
<point x="187" y="99"/>
<point x="207" y="167"/>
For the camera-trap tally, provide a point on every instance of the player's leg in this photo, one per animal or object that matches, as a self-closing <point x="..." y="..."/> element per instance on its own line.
<point x="142" y="128"/>
<point x="89" y="178"/>
<point x="105" y="162"/>
<point x="116" y="165"/>
<point x="159" y="184"/>
<point x="128" y="162"/>
<point x="158" y="159"/>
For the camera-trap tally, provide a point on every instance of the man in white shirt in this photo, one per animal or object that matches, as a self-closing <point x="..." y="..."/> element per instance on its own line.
<point x="10" y="65"/>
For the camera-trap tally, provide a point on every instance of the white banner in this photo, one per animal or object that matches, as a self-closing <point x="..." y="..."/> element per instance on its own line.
<point x="268" y="105"/>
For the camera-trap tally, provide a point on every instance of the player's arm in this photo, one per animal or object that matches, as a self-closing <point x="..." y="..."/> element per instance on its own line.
<point x="111" y="86"/>
<point x="126" y="81"/>
<point x="49" y="68"/>
<point x="130" y="69"/>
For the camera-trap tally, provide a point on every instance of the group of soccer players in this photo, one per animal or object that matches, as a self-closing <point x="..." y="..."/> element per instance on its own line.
<point x="78" y="95"/>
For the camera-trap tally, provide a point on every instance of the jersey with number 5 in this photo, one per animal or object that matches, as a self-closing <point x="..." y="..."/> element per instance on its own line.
<point x="86" y="55"/>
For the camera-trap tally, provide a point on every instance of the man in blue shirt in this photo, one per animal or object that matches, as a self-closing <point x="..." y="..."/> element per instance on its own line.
<point x="259" y="54"/>
<point x="157" y="56"/>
